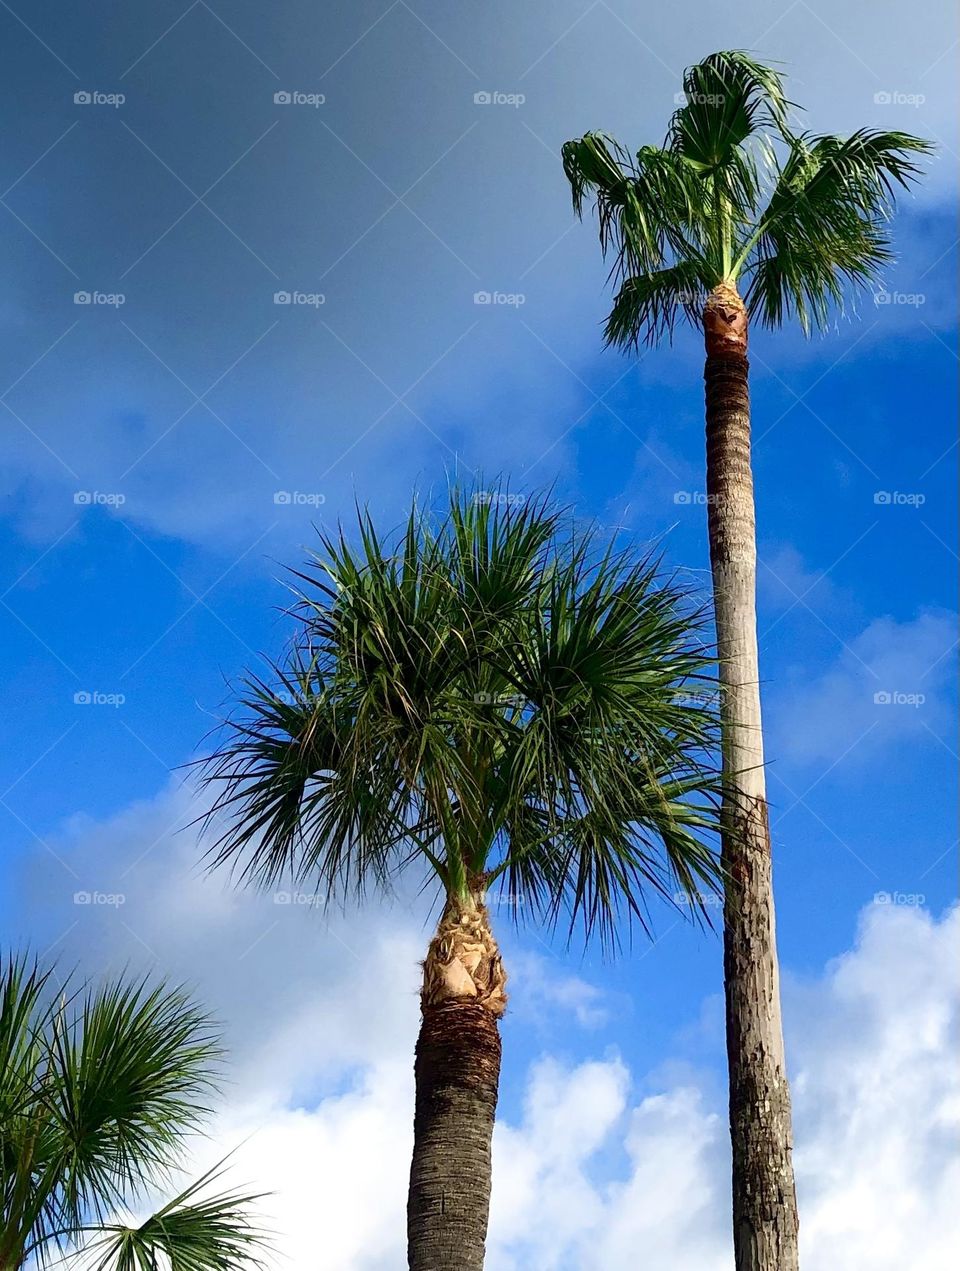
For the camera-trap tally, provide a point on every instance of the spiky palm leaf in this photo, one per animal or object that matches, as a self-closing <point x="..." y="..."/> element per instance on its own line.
<point x="490" y="693"/>
<point x="98" y="1088"/>
<point x="733" y="194"/>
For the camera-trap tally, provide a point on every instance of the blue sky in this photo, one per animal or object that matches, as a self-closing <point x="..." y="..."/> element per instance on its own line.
<point x="144" y="442"/>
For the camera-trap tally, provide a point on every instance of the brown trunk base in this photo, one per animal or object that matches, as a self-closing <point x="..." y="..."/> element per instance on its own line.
<point x="765" y="1223"/>
<point x="457" y="1075"/>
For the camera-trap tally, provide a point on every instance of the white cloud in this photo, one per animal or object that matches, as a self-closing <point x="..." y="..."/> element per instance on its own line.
<point x="594" y="1177"/>
<point x="602" y="1166"/>
<point x="889" y="683"/>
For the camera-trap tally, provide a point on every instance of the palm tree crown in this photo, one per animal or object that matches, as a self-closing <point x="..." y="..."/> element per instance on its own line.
<point x="97" y="1090"/>
<point x="733" y="194"/>
<point x="490" y="694"/>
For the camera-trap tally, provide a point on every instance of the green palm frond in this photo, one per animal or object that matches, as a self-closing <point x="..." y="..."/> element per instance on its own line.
<point x="125" y="1076"/>
<point x="480" y="673"/>
<point x="734" y="192"/>
<point x="731" y="100"/>
<point x="647" y="306"/>
<point x="193" y="1232"/>
<point x="648" y="207"/>
<point x="98" y="1089"/>
<point x="826" y="224"/>
<point x="729" y="97"/>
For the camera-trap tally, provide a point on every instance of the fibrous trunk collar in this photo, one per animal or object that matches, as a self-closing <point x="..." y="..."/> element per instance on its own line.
<point x="725" y="322"/>
<point x="463" y="962"/>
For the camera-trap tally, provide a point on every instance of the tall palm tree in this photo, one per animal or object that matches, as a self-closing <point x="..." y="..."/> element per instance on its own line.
<point x="490" y="701"/>
<point x="735" y="218"/>
<point x="97" y="1089"/>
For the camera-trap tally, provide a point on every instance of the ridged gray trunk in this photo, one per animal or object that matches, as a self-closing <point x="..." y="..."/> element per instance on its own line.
<point x="457" y="1078"/>
<point x="765" y="1221"/>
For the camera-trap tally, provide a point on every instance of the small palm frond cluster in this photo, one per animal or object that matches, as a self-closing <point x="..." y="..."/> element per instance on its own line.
<point x="733" y="193"/>
<point x="492" y="693"/>
<point x="97" y="1090"/>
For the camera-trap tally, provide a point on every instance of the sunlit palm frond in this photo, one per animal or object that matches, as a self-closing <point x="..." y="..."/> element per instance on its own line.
<point x="729" y="96"/>
<point x="480" y="670"/>
<point x="734" y="192"/>
<point x="124" y="1080"/>
<point x="824" y="231"/>
<point x="193" y="1232"/>
<point x="609" y="786"/>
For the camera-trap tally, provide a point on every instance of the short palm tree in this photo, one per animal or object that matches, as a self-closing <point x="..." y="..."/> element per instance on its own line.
<point x="735" y="218"/>
<point x="97" y="1089"/>
<point x="491" y="702"/>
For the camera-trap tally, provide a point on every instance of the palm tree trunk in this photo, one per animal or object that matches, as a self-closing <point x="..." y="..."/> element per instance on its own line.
<point x="457" y="1077"/>
<point x="765" y="1218"/>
